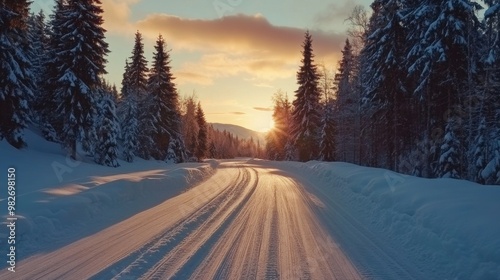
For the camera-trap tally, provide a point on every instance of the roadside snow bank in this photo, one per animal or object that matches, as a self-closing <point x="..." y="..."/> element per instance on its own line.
<point x="57" y="199"/>
<point x="449" y="229"/>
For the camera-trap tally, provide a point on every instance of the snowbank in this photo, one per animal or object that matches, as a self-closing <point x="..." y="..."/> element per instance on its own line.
<point x="448" y="229"/>
<point x="59" y="200"/>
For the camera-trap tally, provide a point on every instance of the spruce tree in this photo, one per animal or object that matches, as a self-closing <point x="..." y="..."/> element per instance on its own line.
<point x="108" y="131"/>
<point x="39" y="45"/>
<point x="201" y="149"/>
<point x="164" y="122"/>
<point x="279" y="136"/>
<point x="306" y="116"/>
<point x="16" y="77"/>
<point x="81" y="53"/>
<point x="327" y="145"/>
<point x="134" y="106"/>
<point x="385" y="88"/>
<point x="449" y="164"/>
<point x="346" y="106"/>
<point x="48" y="101"/>
<point x="490" y="89"/>
<point x="189" y="125"/>
<point x="442" y="61"/>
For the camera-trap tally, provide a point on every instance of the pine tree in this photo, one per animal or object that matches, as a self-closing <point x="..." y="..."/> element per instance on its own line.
<point x="212" y="150"/>
<point x="201" y="149"/>
<point x="327" y="145"/>
<point x="38" y="37"/>
<point x="189" y="125"/>
<point x="16" y="79"/>
<point x="134" y="105"/>
<point x="48" y="101"/>
<point x="385" y="88"/>
<point x="306" y="116"/>
<point x="480" y="156"/>
<point x="442" y="61"/>
<point x="81" y="53"/>
<point x="128" y="112"/>
<point x="164" y="124"/>
<point x="489" y="130"/>
<point x="449" y="164"/>
<point x="107" y="147"/>
<point x="346" y="105"/>
<point x="279" y="136"/>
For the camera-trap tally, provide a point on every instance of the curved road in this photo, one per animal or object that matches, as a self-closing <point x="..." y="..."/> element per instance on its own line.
<point x="245" y="222"/>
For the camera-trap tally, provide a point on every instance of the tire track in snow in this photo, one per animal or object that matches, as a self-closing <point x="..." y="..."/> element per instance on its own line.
<point x="272" y="261"/>
<point x="184" y="258"/>
<point x="289" y="232"/>
<point x="144" y="258"/>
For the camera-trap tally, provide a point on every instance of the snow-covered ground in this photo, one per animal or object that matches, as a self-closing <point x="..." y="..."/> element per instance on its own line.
<point x="59" y="200"/>
<point x="244" y="218"/>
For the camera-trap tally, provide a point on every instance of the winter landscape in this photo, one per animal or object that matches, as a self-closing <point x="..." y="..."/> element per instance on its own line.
<point x="218" y="139"/>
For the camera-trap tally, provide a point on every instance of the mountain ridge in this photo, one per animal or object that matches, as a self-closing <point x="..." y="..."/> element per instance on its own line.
<point x="240" y="131"/>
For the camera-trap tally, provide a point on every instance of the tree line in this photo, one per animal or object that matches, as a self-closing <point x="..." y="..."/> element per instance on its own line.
<point x="417" y="91"/>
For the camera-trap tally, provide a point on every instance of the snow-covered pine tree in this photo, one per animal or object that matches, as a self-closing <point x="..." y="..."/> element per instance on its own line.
<point x="16" y="77"/>
<point x="490" y="89"/>
<point x="327" y="145"/>
<point x="134" y="106"/>
<point x="201" y="149"/>
<point x="449" y="164"/>
<point x="386" y="85"/>
<point x="368" y="134"/>
<point x="81" y="62"/>
<point x="480" y="153"/>
<point x="108" y="131"/>
<point x="212" y="150"/>
<point x="164" y="108"/>
<point x="346" y="104"/>
<point x="442" y="60"/>
<point x="189" y="124"/>
<point x="306" y="115"/>
<point x="38" y="39"/>
<point x="50" y="123"/>
<point x="128" y="112"/>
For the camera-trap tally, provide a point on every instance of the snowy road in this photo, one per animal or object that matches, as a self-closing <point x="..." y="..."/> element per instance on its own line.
<point x="245" y="222"/>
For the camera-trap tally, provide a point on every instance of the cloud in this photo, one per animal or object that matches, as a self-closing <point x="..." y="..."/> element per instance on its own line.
<point x="220" y="65"/>
<point x="183" y="77"/>
<point x="263" y="109"/>
<point x="239" y="44"/>
<point x="229" y="113"/>
<point x="238" y="33"/>
<point x="116" y="15"/>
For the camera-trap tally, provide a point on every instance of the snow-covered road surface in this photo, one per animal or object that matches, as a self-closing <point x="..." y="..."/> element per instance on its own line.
<point x="245" y="222"/>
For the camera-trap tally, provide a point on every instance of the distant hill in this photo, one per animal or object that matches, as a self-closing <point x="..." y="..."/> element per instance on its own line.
<point x="241" y="132"/>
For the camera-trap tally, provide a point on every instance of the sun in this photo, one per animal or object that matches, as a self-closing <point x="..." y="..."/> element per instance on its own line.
<point x="271" y="125"/>
<point x="263" y="123"/>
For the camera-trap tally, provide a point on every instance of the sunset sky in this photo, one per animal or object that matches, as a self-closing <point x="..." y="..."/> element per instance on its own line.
<point x="233" y="53"/>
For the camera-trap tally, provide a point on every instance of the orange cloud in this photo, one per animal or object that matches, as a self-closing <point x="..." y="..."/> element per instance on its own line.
<point x="116" y="15"/>
<point x="239" y="34"/>
<point x="183" y="77"/>
<point x="263" y="109"/>
<point x="229" y="46"/>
